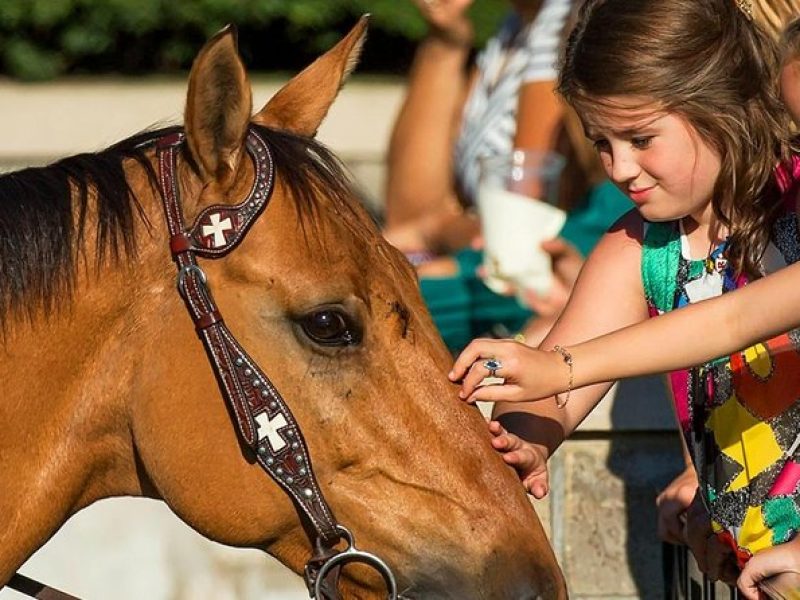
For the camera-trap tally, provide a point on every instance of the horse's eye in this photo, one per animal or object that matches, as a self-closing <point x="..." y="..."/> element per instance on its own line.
<point x="330" y="327"/>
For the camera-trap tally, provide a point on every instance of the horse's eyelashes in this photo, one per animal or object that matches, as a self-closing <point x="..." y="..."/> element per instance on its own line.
<point x="331" y="326"/>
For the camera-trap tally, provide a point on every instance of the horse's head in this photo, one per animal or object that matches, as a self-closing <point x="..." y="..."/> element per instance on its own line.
<point x="333" y="316"/>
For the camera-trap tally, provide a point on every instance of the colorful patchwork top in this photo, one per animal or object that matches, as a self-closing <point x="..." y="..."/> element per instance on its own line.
<point x="740" y="414"/>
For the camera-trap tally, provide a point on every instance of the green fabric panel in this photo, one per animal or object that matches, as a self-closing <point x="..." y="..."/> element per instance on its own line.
<point x="489" y="312"/>
<point x="661" y="254"/>
<point x="780" y="515"/>
<point x="448" y="301"/>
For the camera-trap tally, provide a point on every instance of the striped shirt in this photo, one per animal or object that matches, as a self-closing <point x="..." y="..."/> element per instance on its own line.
<point x="515" y="56"/>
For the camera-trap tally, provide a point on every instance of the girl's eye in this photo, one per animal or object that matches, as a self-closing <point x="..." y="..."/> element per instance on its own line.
<point x="641" y="143"/>
<point x="602" y="145"/>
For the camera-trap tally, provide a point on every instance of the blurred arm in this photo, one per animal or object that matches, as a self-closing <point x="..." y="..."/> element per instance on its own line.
<point x="420" y="164"/>
<point x="539" y="115"/>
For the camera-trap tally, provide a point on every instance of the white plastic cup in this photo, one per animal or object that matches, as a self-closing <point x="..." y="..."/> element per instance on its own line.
<point x="516" y="205"/>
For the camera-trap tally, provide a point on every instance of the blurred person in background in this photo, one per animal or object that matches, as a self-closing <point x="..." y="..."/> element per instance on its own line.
<point x="455" y="114"/>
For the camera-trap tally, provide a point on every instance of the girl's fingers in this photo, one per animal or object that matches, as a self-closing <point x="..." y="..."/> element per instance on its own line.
<point x="506" y="442"/>
<point x="495" y="393"/>
<point x="748" y="581"/>
<point x="476" y="349"/>
<point x="537" y="485"/>
<point x="503" y="440"/>
<point x="517" y="459"/>
<point x="473" y="378"/>
<point x="538" y="489"/>
<point x="496" y="428"/>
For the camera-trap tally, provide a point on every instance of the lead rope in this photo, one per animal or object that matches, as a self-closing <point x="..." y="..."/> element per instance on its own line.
<point x="34" y="589"/>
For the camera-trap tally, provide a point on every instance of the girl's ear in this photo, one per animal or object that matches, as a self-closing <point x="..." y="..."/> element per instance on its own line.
<point x="301" y="105"/>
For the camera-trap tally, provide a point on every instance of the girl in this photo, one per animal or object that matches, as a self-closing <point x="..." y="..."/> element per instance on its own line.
<point x="680" y="100"/>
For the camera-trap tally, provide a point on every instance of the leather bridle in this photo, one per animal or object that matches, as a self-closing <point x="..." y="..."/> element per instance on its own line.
<point x="264" y="422"/>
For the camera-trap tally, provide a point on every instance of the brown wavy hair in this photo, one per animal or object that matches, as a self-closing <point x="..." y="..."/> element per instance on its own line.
<point x="706" y="61"/>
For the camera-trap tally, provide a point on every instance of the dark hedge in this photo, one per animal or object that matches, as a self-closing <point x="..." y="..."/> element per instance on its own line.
<point x="42" y="39"/>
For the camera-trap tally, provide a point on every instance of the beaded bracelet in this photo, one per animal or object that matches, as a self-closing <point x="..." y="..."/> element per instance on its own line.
<point x="565" y="354"/>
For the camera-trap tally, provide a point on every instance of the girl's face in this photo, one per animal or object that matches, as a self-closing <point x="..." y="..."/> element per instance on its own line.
<point x="790" y="88"/>
<point x="656" y="158"/>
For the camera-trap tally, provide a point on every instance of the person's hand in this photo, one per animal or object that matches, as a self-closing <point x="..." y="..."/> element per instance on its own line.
<point x="783" y="559"/>
<point x="567" y="264"/>
<point x="529" y="460"/>
<point x="448" y="19"/>
<point x="529" y="374"/>
<point x="672" y="503"/>
<point x="714" y="558"/>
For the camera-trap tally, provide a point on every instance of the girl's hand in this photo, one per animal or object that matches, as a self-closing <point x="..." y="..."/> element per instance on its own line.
<point x="529" y="460"/>
<point x="714" y="558"/>
<point x="529" y="374"/>
<point x="448" y="19"/>
<point x="672" y="504"/>
<point x="783" y="559"/>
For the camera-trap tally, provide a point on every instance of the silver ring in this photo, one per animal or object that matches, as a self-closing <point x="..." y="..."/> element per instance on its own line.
<point x="351" y="554"/>
<point x="493" y="365"/>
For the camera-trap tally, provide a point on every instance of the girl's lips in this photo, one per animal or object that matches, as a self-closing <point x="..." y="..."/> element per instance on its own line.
<point x="640" y="194"/>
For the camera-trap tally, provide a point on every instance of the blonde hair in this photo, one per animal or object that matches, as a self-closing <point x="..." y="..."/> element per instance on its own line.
<point x="790" y="41"/>
<point x="774" y="15"/>
<point x="707" y="62"/>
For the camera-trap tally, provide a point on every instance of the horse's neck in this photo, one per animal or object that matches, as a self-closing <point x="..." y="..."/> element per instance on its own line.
<point x="65" y="437"/>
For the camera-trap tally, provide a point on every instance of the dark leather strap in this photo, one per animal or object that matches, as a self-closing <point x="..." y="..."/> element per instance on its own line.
<point x="263" y="419"/>
<point x="34" y="589"/>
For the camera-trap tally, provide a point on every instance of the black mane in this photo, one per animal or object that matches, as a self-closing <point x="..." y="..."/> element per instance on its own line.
<point x="43" y="211"/>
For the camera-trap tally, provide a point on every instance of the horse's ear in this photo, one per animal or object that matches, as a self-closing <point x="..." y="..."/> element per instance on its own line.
<point x="218" y="107"/>
<point x="301" y="105"/>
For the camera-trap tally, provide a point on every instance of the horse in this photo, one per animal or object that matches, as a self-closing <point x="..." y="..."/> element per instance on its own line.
<point x="108" y="392"/>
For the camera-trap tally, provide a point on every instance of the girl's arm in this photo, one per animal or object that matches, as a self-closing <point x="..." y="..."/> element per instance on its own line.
<point x="607" y="295"/>
<point x="689" y="336"/>
<point x="695" y="334"/>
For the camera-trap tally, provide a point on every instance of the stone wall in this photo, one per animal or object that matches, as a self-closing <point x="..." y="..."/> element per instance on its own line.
<point x="600" y="515"/>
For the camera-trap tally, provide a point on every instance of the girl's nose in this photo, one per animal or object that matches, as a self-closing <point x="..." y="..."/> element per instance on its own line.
<point x="623" y="168"/>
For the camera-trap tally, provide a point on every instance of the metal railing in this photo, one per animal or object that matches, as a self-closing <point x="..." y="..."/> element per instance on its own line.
<point x="685" y="581"/>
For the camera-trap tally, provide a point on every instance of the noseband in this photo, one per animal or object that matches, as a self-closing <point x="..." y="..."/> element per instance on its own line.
<point x="262" y="418"/>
